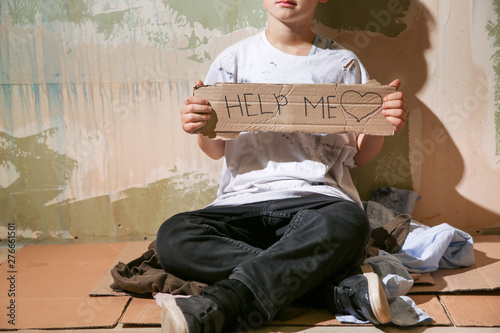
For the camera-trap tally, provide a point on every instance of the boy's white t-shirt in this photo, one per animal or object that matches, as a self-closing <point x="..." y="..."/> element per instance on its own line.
<point x="261" y="166"/>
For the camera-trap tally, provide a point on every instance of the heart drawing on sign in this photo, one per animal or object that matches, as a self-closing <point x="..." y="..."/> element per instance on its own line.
<point x="359" y="105"/>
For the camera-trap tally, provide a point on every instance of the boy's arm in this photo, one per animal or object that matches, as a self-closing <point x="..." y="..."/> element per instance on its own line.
<point x="368" y="148"/>
<point x="213" y="148"/>
<point x="195" y="113"/>
<point x="395" y="111"/>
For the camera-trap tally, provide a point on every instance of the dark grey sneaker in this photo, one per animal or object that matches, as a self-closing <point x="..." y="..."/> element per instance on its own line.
<point x="194" y="314"/>
<point x="359" y="294"/>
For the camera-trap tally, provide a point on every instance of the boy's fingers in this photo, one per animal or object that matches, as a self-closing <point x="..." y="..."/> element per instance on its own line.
<point x="198" y="125"/>
<point x="195" y="100"/>
<point x="394" y="104"/>
<point x="394" y="96"/>
<point x="196" y="117"/>
<point x="195" y="108"/>
<point x="395" y="113"/>
<point x="396" y="83"/>
<point x="195" y="112"/>
<point x="398" y="123"/>
<point x="193" y="127"/>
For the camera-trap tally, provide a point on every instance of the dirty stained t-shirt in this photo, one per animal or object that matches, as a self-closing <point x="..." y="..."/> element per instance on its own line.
<point x="261" y="166"/>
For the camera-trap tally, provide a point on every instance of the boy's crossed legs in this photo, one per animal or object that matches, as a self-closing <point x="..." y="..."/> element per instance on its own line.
<point x="260" y="257"/>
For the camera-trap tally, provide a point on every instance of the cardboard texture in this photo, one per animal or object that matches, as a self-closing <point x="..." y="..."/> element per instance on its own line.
<point x="142" y="311"/>
<point x="52" y="283"/>
<point x="68" y="313"/>
<point x="424" y="279"/>
<point x="473" y="310"/>
<point x="309" y="108"/>
<point x="430" y="304"/>
<point x="483" y="275"/>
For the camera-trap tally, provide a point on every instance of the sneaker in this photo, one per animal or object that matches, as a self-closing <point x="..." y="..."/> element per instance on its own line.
<point x="194" y="314"/>
<point x="360" y="294"/>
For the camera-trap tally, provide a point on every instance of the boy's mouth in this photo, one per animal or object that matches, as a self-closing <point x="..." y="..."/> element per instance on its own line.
<point x="286" y="3"/>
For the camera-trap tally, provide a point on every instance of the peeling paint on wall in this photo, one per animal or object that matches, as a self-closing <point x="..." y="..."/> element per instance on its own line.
<point x="100" y="170"/>
<point x="223" y="15"/>
<point x="40" y="172"/>
<point x="90" y="91"/>
<point x="26" y="155"/>
<point x="103" y="77"/>
<point x="46" y="11"/>
<point x="493" y="29"/>
<point x="167" y="23"/>
<point x="137" y="212"/>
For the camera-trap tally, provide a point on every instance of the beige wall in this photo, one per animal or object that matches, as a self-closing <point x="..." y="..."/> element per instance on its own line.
<point x="445" y="59"/>
<point x="460" y="180"/>
<point x="90" y="139"/>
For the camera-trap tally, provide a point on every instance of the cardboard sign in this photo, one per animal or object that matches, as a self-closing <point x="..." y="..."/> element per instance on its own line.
<point x="309" y="108"/>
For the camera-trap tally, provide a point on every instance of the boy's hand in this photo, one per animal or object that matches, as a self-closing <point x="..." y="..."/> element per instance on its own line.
<point x="394" y="107"/>
<point x="195" y="113"/>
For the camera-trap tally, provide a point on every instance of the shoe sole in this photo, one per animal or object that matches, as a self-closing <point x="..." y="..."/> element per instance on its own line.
<point x="378" y="300"/>
<point x="172" y="318"/>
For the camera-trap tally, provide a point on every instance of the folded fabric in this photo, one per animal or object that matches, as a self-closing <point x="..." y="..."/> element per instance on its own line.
<point x="425" y="248"/>
<point x="145" y="275"/>
<point x="378" y="214"/>
<point x="428" y="248"/>
<point x="390" y="237"/>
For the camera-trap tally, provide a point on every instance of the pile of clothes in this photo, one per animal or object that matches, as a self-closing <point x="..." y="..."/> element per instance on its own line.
<point x="416" y="248"/>
<point x="399" y="249"/>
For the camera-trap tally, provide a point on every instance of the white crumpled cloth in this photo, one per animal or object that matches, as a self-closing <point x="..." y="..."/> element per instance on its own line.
<point x="425" y="250"/>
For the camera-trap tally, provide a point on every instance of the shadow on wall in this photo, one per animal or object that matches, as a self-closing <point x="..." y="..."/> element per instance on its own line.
<point x="391" y="39"/>
<point x="376" y="30"/>
<point x="379" y="33"/>
<point x="384" y="17"/>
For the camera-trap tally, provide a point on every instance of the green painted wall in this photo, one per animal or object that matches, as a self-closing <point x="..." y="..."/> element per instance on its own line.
<point x="493" y="29"/>
<point x="90" y="142"/>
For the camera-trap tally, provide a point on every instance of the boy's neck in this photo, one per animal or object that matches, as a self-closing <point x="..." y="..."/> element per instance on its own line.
<point x="291" y="41"/>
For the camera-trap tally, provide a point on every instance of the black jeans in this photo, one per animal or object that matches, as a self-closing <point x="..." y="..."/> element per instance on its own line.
<point x="279" y="249"/>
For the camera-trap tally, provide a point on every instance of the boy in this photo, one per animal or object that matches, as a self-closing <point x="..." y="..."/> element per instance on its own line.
<point x="287" y="223"/>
